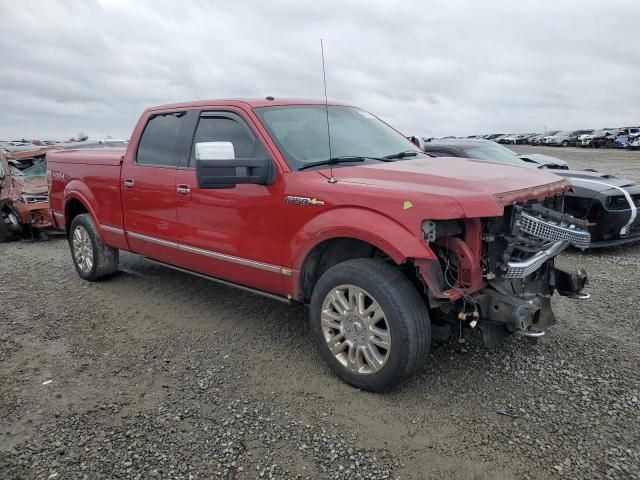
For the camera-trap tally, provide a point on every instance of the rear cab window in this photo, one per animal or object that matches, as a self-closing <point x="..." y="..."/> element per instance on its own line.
<point x="157" y="145"/>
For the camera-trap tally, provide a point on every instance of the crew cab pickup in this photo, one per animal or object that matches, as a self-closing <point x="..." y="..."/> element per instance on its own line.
<point x="326" y="205"/>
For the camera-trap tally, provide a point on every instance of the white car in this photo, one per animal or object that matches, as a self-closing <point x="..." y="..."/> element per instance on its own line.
<point x="584" y="138"/>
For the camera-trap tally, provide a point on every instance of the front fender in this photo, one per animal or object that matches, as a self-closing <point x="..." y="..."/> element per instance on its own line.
<point x="364" y="224"/>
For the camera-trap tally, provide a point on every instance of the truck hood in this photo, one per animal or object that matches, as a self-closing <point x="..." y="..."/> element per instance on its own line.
<point x="33" y="186"/>
<point x="18" y="187"/>
<point x="475" y="185"/>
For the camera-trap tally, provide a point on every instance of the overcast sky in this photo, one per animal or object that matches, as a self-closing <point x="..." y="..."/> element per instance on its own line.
<point x="428" y="68"/>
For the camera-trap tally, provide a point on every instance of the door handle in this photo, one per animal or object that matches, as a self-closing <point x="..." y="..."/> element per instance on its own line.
<point x="183" y="189"/>
<point x="128" y="183"/>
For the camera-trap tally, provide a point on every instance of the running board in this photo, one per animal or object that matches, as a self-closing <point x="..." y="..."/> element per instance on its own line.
<point x="262" y="293"/>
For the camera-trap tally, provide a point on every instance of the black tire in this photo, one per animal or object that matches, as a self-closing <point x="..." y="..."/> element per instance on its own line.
<point x="565" y="143"/>
<point x="105" y="258"/>
<point x="6" y="234"/>
<point x="405" y="312"/>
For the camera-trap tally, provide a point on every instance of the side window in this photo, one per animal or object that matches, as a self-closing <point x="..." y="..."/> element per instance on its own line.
<point x="158" y="142"/>
<point x="225" y="130"/>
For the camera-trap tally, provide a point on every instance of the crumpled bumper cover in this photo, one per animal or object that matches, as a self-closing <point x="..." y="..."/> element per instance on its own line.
<point x="530" y="312"/>
<point x="36" y="215"/>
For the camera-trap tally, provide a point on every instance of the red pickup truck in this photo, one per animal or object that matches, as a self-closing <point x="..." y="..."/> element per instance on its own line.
<point x="329" y="206"/>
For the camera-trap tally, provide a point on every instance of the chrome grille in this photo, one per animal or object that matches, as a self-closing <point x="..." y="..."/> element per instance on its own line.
<point x="545" y="230"/>
<point x="522" y="268"/>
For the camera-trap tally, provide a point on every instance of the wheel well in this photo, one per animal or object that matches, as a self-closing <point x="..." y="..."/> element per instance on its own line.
<point x="329" y="253"/>
<point x="74" y="208"/>
<point x="336" y="250"/>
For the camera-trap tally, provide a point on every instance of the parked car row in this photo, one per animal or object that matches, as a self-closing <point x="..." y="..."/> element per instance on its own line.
<point x="623" y="137"/>
<point x="31" y="145"/>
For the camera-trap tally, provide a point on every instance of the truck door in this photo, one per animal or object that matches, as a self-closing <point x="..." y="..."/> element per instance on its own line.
<point x="148" y="189"/>
<point x="230" y="233"/>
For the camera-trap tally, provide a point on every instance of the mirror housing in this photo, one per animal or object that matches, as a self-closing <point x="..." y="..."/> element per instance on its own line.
<point x="417" y="141"/>
<point x="227" y="173"/>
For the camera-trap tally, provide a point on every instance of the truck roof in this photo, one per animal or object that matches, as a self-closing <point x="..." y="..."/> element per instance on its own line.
<point x="250" y="102"/>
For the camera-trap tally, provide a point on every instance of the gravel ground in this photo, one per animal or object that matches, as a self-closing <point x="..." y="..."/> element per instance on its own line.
<point x="157" y="374"/>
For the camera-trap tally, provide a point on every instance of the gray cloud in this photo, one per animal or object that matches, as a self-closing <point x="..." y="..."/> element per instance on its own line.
<point x="428" y="68"/>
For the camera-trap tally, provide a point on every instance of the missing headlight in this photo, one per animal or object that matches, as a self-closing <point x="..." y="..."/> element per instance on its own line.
<point x="29" y="198"/>
<point x="432" y="230"/>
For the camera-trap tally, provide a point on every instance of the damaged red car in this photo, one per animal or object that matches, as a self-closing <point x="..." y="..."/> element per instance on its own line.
<point x="24" y="197"/>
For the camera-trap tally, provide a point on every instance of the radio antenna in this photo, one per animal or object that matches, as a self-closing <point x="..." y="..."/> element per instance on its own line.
<point x="326" y="109"/>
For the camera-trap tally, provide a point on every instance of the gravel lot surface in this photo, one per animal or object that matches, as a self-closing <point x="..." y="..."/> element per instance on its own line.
<point x="157" y="374"/>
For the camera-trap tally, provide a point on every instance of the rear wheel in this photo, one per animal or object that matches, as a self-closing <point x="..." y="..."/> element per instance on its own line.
<point x="565" y="143"/>
<point x="93" y="260"/>
<point x="370" y="323"/>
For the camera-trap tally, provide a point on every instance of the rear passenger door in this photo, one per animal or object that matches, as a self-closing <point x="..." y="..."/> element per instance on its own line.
<point x="149" y="191"/>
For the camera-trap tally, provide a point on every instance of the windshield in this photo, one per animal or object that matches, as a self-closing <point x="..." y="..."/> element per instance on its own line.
<point x="494" y="153"/>
<point x="300" y="132"/>
<point x="37" y="170"/>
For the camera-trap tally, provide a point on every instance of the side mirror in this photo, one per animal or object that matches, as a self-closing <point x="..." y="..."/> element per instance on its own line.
<point x="417" y="141"/>
<point x="217" y="167"/>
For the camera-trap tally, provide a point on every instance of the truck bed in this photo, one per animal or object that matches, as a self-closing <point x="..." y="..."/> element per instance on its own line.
<point x="99" y="178"/>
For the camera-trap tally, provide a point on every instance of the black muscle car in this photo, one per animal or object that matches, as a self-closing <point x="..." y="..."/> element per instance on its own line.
<point x="609" y="204"/>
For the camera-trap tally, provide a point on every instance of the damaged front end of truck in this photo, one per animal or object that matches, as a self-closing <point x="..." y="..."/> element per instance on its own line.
<point x="499" y="272"/>
<point x="24" y="196"/>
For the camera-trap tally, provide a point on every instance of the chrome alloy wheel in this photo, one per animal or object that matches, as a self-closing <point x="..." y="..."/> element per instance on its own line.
<point x="82" y="249"/>
<point x="356" y="329"/>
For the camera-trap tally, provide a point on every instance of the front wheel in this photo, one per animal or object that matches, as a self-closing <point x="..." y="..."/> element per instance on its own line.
<point x="370" y="323"/>
<point x="6" y="233"/>
<point x="93" y="260"/>
<point x="565" y="143"/>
